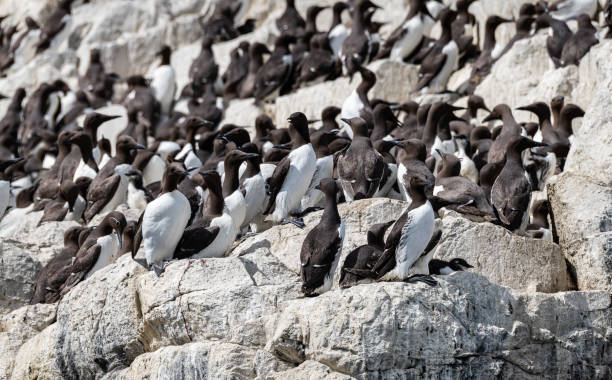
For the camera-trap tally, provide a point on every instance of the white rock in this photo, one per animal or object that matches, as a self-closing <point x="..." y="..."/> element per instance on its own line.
<point x="506" y="259"/>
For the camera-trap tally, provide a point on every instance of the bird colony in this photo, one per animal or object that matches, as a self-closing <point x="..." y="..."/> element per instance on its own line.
<point x="305" y="189"/>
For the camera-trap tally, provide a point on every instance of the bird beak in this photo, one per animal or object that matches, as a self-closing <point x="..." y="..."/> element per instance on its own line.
<point x="347" y="121"/>
<point x="397" y="143"/>
<point x="318" y="187"/>
<point x="106" y="118"/>
<point x="281" y="146"/>
<point x="313" y="121"/>
<point x="120" y="238"/>
<point x="440" y="153"/>
<point x="140" y="146"/>
<point x="222" y="137"/>
<point x="206" y="123"/>
<point x="334" y="132"/>
<point x="490" y="117"/>
<point x="248" y="156"/>
<point x="191" y="169"/>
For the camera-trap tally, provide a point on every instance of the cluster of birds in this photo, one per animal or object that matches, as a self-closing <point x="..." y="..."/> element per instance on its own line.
<point x="202" y="185"/>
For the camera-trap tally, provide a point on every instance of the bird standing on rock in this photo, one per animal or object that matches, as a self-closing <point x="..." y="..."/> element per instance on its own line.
<point x="322" y="246"/>
<point x="293" y="174"/>
<point x="164" y="220"/>
<point x="407" y="242"/>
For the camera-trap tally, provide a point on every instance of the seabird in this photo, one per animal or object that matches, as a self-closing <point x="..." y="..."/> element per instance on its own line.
<point x="54" y="24"/>
<point x="324" y="168"/>
<point x="407" y="242"/>
<point x="482" y="66"/>
<point x="511" y="192"/>
<point x="539" y="227"/>
<point x="203" y="70"/>
<point x="109" y="188"/>
<point x="557" y="38"/>
<point x="405" y="39"/>
<point x="164" y="220"/>
<point x="90" y="125"/>
<point x="357" y="103"/>
<point x="212" y="233"/>
<point x="163" y="83"/>
<point x="450" y="186"/>
<point x="319" y="64"/>
<point x="364" y="257"/>
<point x="293" y="174"/>
<point x="140" y="100"/>
<point x="442" y="59"/>
<point x="322" y="246"/>
<point x="236" y="71"/>
<point x="462" y="151"/>
<point x="411" y="163"/>
<point x="99" y="249"/>
<point x="570" y="9"/>
<point x="441" y="267"/>
<point x="56" y="271"/>
<point x="337" y="31"/>
<point x="253" y="183"/>
<point x="233" y="196"/>
<point x="274" y="75"/>
<point x="5" y="185"/>
<point x="356" y="48"/>
<point x="256" y="52"/>
<point x="57" y="209"/>
<point x="361" y="167"/>
<point x="579" y="44"/>
<point x="509" y="130"/>
<point x="290" y="22"/>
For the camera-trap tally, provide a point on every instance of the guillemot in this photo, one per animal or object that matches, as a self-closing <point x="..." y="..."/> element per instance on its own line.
<point x="322" y="246"/>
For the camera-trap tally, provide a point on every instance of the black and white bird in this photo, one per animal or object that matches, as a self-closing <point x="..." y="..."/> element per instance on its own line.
<point x="164" y="220"/>
<point x="293" y="174"/>
<point x="322" y="246"/>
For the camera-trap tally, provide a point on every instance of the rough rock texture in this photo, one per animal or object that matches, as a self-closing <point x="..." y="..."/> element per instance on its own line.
<point x="584" y="227"/>
<point x="504" y="258"/>
<point x="19" y="326"/>
<point x="464" y="328"/>
<point x="581" y="197"/>
<point x="18" y="270"/>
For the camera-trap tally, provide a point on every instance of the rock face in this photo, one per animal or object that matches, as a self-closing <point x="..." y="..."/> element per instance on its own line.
<point x="466" y="327"/>
<point x="19" y="326"/>
<point x="504" y="258"/>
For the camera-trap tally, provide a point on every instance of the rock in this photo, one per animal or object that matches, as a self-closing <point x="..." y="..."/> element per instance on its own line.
<point x="518" y="72"/>
<point x="464" y="327"/>
<point x="584" y="227"/>
<point x="591" y="152"/>
<point x="243" y="112"/>
<point x="18" y="270"/>
<point x="107" y="321"/>
<point x="311" y="370"/>
<point x="38" y="357"/>
<point x="285" y="241"/>
<point x="311" y="100"/>
<point x="19" y="326"/>
<point x="504" y="258"/>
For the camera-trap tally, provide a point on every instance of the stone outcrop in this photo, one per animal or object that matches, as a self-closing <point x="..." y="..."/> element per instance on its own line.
<point x="504" y="258"/>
